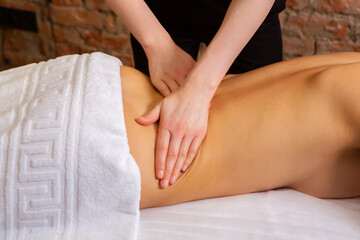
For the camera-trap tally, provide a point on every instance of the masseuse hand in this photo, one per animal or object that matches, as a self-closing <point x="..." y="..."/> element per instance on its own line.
<point x="183" y="125"/>
<point x="169" y="66"/>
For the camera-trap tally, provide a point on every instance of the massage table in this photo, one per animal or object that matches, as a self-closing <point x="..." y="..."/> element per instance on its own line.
<point x="276" y="214"/>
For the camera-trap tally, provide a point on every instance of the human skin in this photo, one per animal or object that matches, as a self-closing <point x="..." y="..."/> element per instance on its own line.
<point x="293" y="124"/>
<point x="184" y="113"/>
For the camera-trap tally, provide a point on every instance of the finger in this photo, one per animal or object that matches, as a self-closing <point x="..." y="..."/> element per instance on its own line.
<point x="180" y="80"/>
<point x="151" y="117"/>
<point x="194" y="147"/>
<point x="172" y="84"/>
<point x="171" y="158"/>
<point x="162" y="144"/>
<point x="163" y="88"/>
<point x="184" y="148"/>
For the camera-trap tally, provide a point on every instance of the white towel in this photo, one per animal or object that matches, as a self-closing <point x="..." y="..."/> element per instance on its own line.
<point x="65" y="167"/>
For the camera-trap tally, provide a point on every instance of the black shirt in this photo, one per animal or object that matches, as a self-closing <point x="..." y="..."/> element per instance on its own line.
<point x="191" y="18"/>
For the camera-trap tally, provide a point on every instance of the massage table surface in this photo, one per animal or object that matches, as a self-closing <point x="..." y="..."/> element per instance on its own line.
<point x="277" y="214"/>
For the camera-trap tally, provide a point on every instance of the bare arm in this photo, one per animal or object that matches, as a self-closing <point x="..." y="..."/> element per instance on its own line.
<point x="242" y="20"/>
<point x="141" y="22"/>
<point x="184" y="114"/>
<point x="168" y="63"/>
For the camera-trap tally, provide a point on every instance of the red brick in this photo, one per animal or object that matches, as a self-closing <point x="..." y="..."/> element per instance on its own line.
<point x="121" y="43"/>
<point x="106" y="42"/>
<point x="67" y="35"/>
<point x="125" y="59"/>
<point x="45" y="31"/>
<point x="113" y="24"/>
<point x="21" y="5"/>
<point x="47" y="49"/>
<point x="58" y="34"/>
<point x="65" y="49"/>
<point x="2" y="64"/>
<point x="78" y="26"/>
<point x="92" y="38"/>
<point x="73" y="3"/>
<point x="282" y="17"/>
<point x="297" y="46"/>
<point x="20" y="33"/>
<point x="357" y="30"/>
<point x="337" y="27"/>
<point x="39" y="2"/>
<point x="76" y="17"/>
<point x="43" y="13"/>
<point x="33" y="44"/>
<point x="298" y="21"/>
<point x="18" y="59"/>
<point x="97" y="5"/>
<point x="298" y="4"/>
<point x="295" y="24"/>
<point x="338" y="6"/>
<point x="12" y="43"/>
<point x="331" y="47"/>
<point x="320" y="26"/>
<point x="85" y="49"/>
<point x="110" y="20"/>
<point x="18" y="40"/>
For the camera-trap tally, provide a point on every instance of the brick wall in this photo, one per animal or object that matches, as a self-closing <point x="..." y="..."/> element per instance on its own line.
<point x="320" y="26"/>
<point x="79" y="26"/>
<point x="65" y="27"/>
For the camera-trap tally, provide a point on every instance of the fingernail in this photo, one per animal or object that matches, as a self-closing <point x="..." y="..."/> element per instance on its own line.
<point x="139" y="119"/>
<point x="184" y="168"/>
<point x="172" y="180"/>
<point x="165" y="183"/>
<point x="160" y="174"/>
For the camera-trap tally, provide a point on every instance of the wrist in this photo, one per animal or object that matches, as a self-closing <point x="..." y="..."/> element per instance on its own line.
<point x="156" y="43"/>
<point x="190" y="96"/>
<point x="202" y="84"/>
<point x="200" y="92"/>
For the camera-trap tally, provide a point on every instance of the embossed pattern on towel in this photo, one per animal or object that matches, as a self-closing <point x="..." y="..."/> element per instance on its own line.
<point x="65" y="167"/>
<point x="33" y="130"/>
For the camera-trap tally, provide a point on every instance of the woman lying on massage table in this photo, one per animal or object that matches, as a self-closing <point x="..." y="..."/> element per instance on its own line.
<point x="293" y="124"/>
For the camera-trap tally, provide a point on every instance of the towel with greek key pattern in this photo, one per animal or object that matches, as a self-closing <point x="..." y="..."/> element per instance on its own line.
<point x="65" y="167"/>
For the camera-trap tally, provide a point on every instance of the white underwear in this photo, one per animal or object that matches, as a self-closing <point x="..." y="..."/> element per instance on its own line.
<point x="65" y="167"/>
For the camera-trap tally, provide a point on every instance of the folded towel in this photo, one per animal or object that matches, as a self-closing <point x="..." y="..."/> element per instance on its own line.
<point x="65" y="167"/>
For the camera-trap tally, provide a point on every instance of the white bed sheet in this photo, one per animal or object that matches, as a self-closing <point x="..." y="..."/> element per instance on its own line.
<point x="277" y="214"/>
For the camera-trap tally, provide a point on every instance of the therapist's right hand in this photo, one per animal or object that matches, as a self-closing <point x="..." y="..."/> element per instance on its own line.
<point x="169" y="66"/>
<point x="182" y="128"/>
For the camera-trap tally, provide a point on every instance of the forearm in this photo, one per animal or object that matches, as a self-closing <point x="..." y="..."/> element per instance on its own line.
<point x="141" y="22"/>
<point x="242" y="20"/>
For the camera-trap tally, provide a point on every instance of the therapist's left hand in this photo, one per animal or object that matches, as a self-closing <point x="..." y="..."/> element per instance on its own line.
<point x="183" y="124"/>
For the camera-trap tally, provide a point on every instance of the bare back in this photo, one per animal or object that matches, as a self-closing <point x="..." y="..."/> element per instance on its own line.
<point x="273" y="127"/>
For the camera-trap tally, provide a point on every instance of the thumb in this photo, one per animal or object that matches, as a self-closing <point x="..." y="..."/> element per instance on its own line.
<point x="151" y="117"/>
